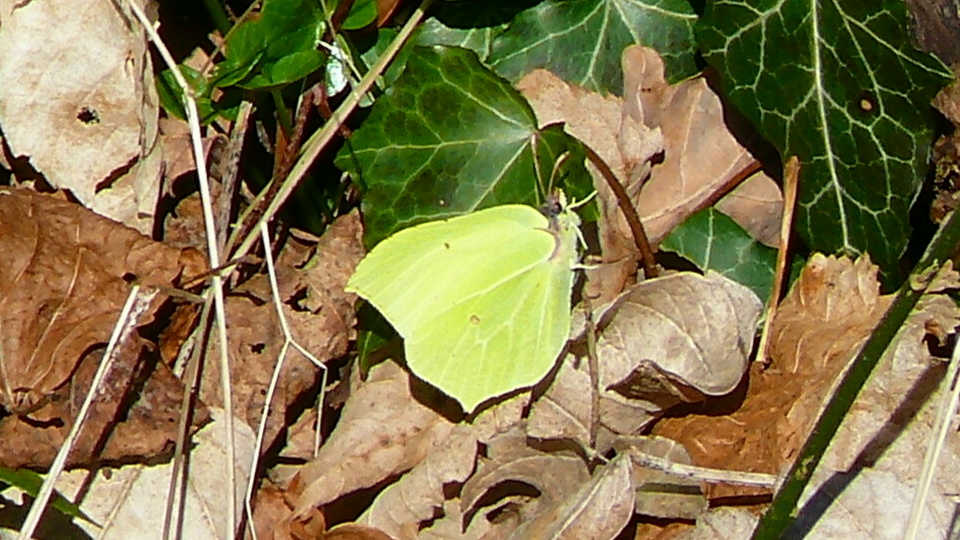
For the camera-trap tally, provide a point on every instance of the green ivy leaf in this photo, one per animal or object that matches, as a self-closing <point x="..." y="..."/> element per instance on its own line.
<point x="581" y="40"/>
<point x="274" y="48"/>
<point x="451" y="137"/>
<point x="471" y="24"/>
<point x="713" y="241"/>
<point x="838" y="85"/>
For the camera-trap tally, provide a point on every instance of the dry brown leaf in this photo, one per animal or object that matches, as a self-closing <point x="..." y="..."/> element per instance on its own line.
<point x="756" y="205"/>
<point x="696" y="330"/>
<point x="354" y="531"/>
<point x="85" y="116"/>
<point x="666" y="341"/>
<point x="383" y="431"/>
<point x="419" y="494"/>
<point x="271" y="514"/>
<point x="177" y="149"/>
<point x="687" y="124"/>
<point x="598" y="510"/>
<point x="134" y="416"/>
<point x="494" y="496"/>
<point x="66" y="276"/>
<point x="319" y="314"/>
<point x="820" y="325"/>
<point x="625" y="144"/>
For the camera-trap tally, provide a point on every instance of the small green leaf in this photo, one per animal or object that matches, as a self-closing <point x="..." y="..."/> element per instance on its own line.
<point x="362" y="14"/>
<point x="839" y="85"/>
<point x="581" y="40"/>
<point x="275" y="47"/>
<point x="171" y="96"/>
<point x="713" y="241"/>
<point x="449" y="138"/>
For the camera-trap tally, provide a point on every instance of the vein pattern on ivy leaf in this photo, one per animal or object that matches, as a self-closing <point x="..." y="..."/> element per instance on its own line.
<point x="840" y="86"/>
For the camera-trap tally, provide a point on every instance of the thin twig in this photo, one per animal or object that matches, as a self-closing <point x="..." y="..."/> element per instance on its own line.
<point x="751" y="168"/>
<point x="135" y="306"/>
<point x="271" y="199"/>
<point x="213" y="254"/>
<point x="703" y="474"/>
<point x="593" y="364"/>
<point x="791" y="179"/>
<point x="783" y="509"/>
<point x="231" y="168"/>
<point x="629" y="212"/>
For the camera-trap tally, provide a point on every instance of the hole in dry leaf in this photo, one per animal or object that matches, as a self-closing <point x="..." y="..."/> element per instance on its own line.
<point x="88" y="116"/>
<point x="128" y="277"/>
<point x="258" y="348"/>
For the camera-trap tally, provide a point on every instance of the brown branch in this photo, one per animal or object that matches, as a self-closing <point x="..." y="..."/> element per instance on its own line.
<point x="629" y="212"/>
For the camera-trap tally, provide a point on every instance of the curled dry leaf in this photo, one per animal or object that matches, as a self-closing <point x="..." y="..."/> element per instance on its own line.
<point x="383" y="431"/>
<point x="666" y="341"/>
<point x="511" y="462"/>
<point x="63" y="283"/>
<point x="598" y="510"/>
<point x="85" y="116"/>
<point x="697" y="330"/>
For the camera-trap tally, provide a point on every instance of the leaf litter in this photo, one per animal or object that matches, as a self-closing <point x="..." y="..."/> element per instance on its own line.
<point x="680" y="342"/>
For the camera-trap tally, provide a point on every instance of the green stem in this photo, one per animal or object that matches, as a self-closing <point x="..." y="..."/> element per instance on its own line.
<point x="219" y="15"/>
<point x="248" y="235"/>
<point x="283" y="113"/>
<point x="783" y="509"/>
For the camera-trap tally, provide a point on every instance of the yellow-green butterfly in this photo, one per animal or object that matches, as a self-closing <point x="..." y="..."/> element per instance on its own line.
<point x="481" y="300"/>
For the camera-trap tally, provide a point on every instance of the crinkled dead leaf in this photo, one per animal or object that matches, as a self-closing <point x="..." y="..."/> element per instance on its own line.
<point x="82" y="105"/>
<point x="419" y="494"/>
<point x="598" y="510"/>
<point x="695" y="330"/>
<point x="65" y="278"/>
<point x="819" y="326"/>
<point x="723" y="523"/>
<point x="825" y="319"/>
<point x="383" y="431"/>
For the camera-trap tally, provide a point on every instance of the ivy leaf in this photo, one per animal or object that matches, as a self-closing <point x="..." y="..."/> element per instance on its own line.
<point x="581" y="40"/>
<point x="471" y="24"/>
<point x="838" y="85"/>
<point x="713" y="241"/>
<point x="451" y="137"/>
